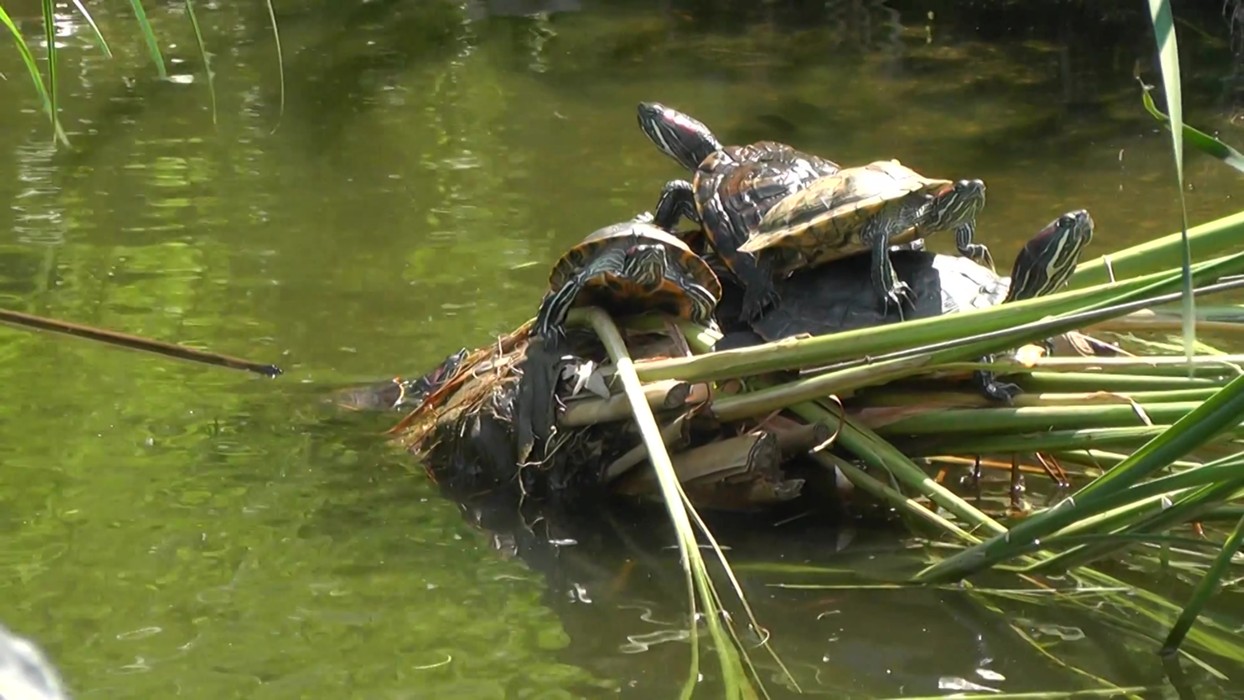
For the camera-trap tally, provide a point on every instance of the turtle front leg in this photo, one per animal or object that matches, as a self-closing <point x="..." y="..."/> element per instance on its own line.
<point x="703" y="304"/>
<point x="992" y="387"/>
<point x="976" y="252"/>
<point x="755" y="273"/>
<point x="551" y="318"/>
<point x="677" y="200"/>
<point x="886" y="284"/>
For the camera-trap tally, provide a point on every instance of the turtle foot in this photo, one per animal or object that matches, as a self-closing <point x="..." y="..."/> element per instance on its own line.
<point x="1002" y="392"/>
<point x="756" y="303"/>
<point x="898" y="296"/>
<point x="978" y="253"/>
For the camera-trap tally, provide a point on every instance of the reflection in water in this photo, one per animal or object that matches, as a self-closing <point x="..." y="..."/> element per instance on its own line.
<point x="613" y="579"/>
<point x="432" y="160"/>
<point x="38" y="215"/>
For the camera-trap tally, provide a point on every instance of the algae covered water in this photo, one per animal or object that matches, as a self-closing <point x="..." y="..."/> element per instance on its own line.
<point x="173" y="530"/>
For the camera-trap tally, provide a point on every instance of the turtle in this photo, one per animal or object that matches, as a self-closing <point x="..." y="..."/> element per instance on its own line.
<point x="629" y="267"/>
<point x="868" y="208"/>
<point x="732" y="187"/>
<point x="827" y="299"/>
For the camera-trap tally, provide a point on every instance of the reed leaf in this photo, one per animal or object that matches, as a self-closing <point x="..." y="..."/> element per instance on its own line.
<point x="207" y="62"/>
<point x="700" y="584"/>
<point x="1168" y="57"/>
<point x="280" y="59"/>
<point x="1208" y="584"/>
<point x="153" y="46"/>
<point x="95" y="33"/>
<point x="1199" y="139"/>
<point x="36" y="77"/>
<point x="49" y="36"/>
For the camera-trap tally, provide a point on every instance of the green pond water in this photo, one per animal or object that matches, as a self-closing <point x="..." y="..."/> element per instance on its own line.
<point x="173" y="530"/>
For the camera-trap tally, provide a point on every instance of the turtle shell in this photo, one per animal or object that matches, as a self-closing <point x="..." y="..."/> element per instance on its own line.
<point x="824" y="220"/>
<point x="736" y="186"/>
<point x="828" y="299"/>
<point x="613" y="289"/>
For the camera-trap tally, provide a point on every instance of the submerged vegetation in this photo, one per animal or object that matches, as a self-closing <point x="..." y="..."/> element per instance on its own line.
<point x="1150" y="443"/>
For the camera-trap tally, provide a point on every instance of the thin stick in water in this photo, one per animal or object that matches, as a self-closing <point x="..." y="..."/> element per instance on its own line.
<point x="134" y="342"/>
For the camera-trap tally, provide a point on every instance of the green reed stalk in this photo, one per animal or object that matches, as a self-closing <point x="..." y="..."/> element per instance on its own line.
<point x="1156" y="254"/>
<point x="1003" y="326"/>
<point x="1175" y="507"/>
<point x="985" y="421"/>
<point x="1108" y="460"/>
<point x="1194" y="429"/>
<point x="699" y="583"/>
<point x="1040" y="382"/>
<point x="876" y="452"/>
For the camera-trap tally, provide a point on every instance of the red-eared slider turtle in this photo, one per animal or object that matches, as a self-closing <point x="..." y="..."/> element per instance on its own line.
<point x="867" y="209"/>
<point x="731" y="189"/>
<point x="629" y="267"/>
<point x="827" y="299"/>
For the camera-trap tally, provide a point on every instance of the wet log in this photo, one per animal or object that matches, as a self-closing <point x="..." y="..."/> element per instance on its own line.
<point x="675" y="436"/>
<point x="665" y="395"/>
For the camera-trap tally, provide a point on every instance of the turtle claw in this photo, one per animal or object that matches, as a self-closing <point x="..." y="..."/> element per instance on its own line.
<point x="756" y="302"/>
<point x="978" y="253"/>
<point x="1002" y="392"/>
<point x="898" y="296"/>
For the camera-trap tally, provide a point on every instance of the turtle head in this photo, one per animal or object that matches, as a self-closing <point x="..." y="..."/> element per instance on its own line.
<point x="645" y="265"/>
<point x="1049" y="258"/>
<point x="958" y="204"/>
<point x="678" y="135"/>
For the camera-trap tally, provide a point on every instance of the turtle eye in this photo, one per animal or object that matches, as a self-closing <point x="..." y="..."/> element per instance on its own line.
<point x="1066" y="221"/>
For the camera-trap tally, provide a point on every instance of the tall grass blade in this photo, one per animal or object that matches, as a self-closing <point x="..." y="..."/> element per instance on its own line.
<point x="32" y="69"/>
<point x="207" y="61"/>
<point x="734" y="678"/>
<point x="149" y="36"/>
<point x="1199" y="139"/>
<point x="1168" y="56"/>
<point x="98" y="35"/>
<point x="280" y="61"/>
<point x="1204" y="590"/>
<point x="49" y="35"/>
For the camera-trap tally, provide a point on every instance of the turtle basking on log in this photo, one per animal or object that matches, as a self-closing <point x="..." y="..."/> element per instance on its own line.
<point x="867" y="209"/>
<point x="732" y="188"/>
<point x="828" y="299"/>
<point x="625" y="268"/>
